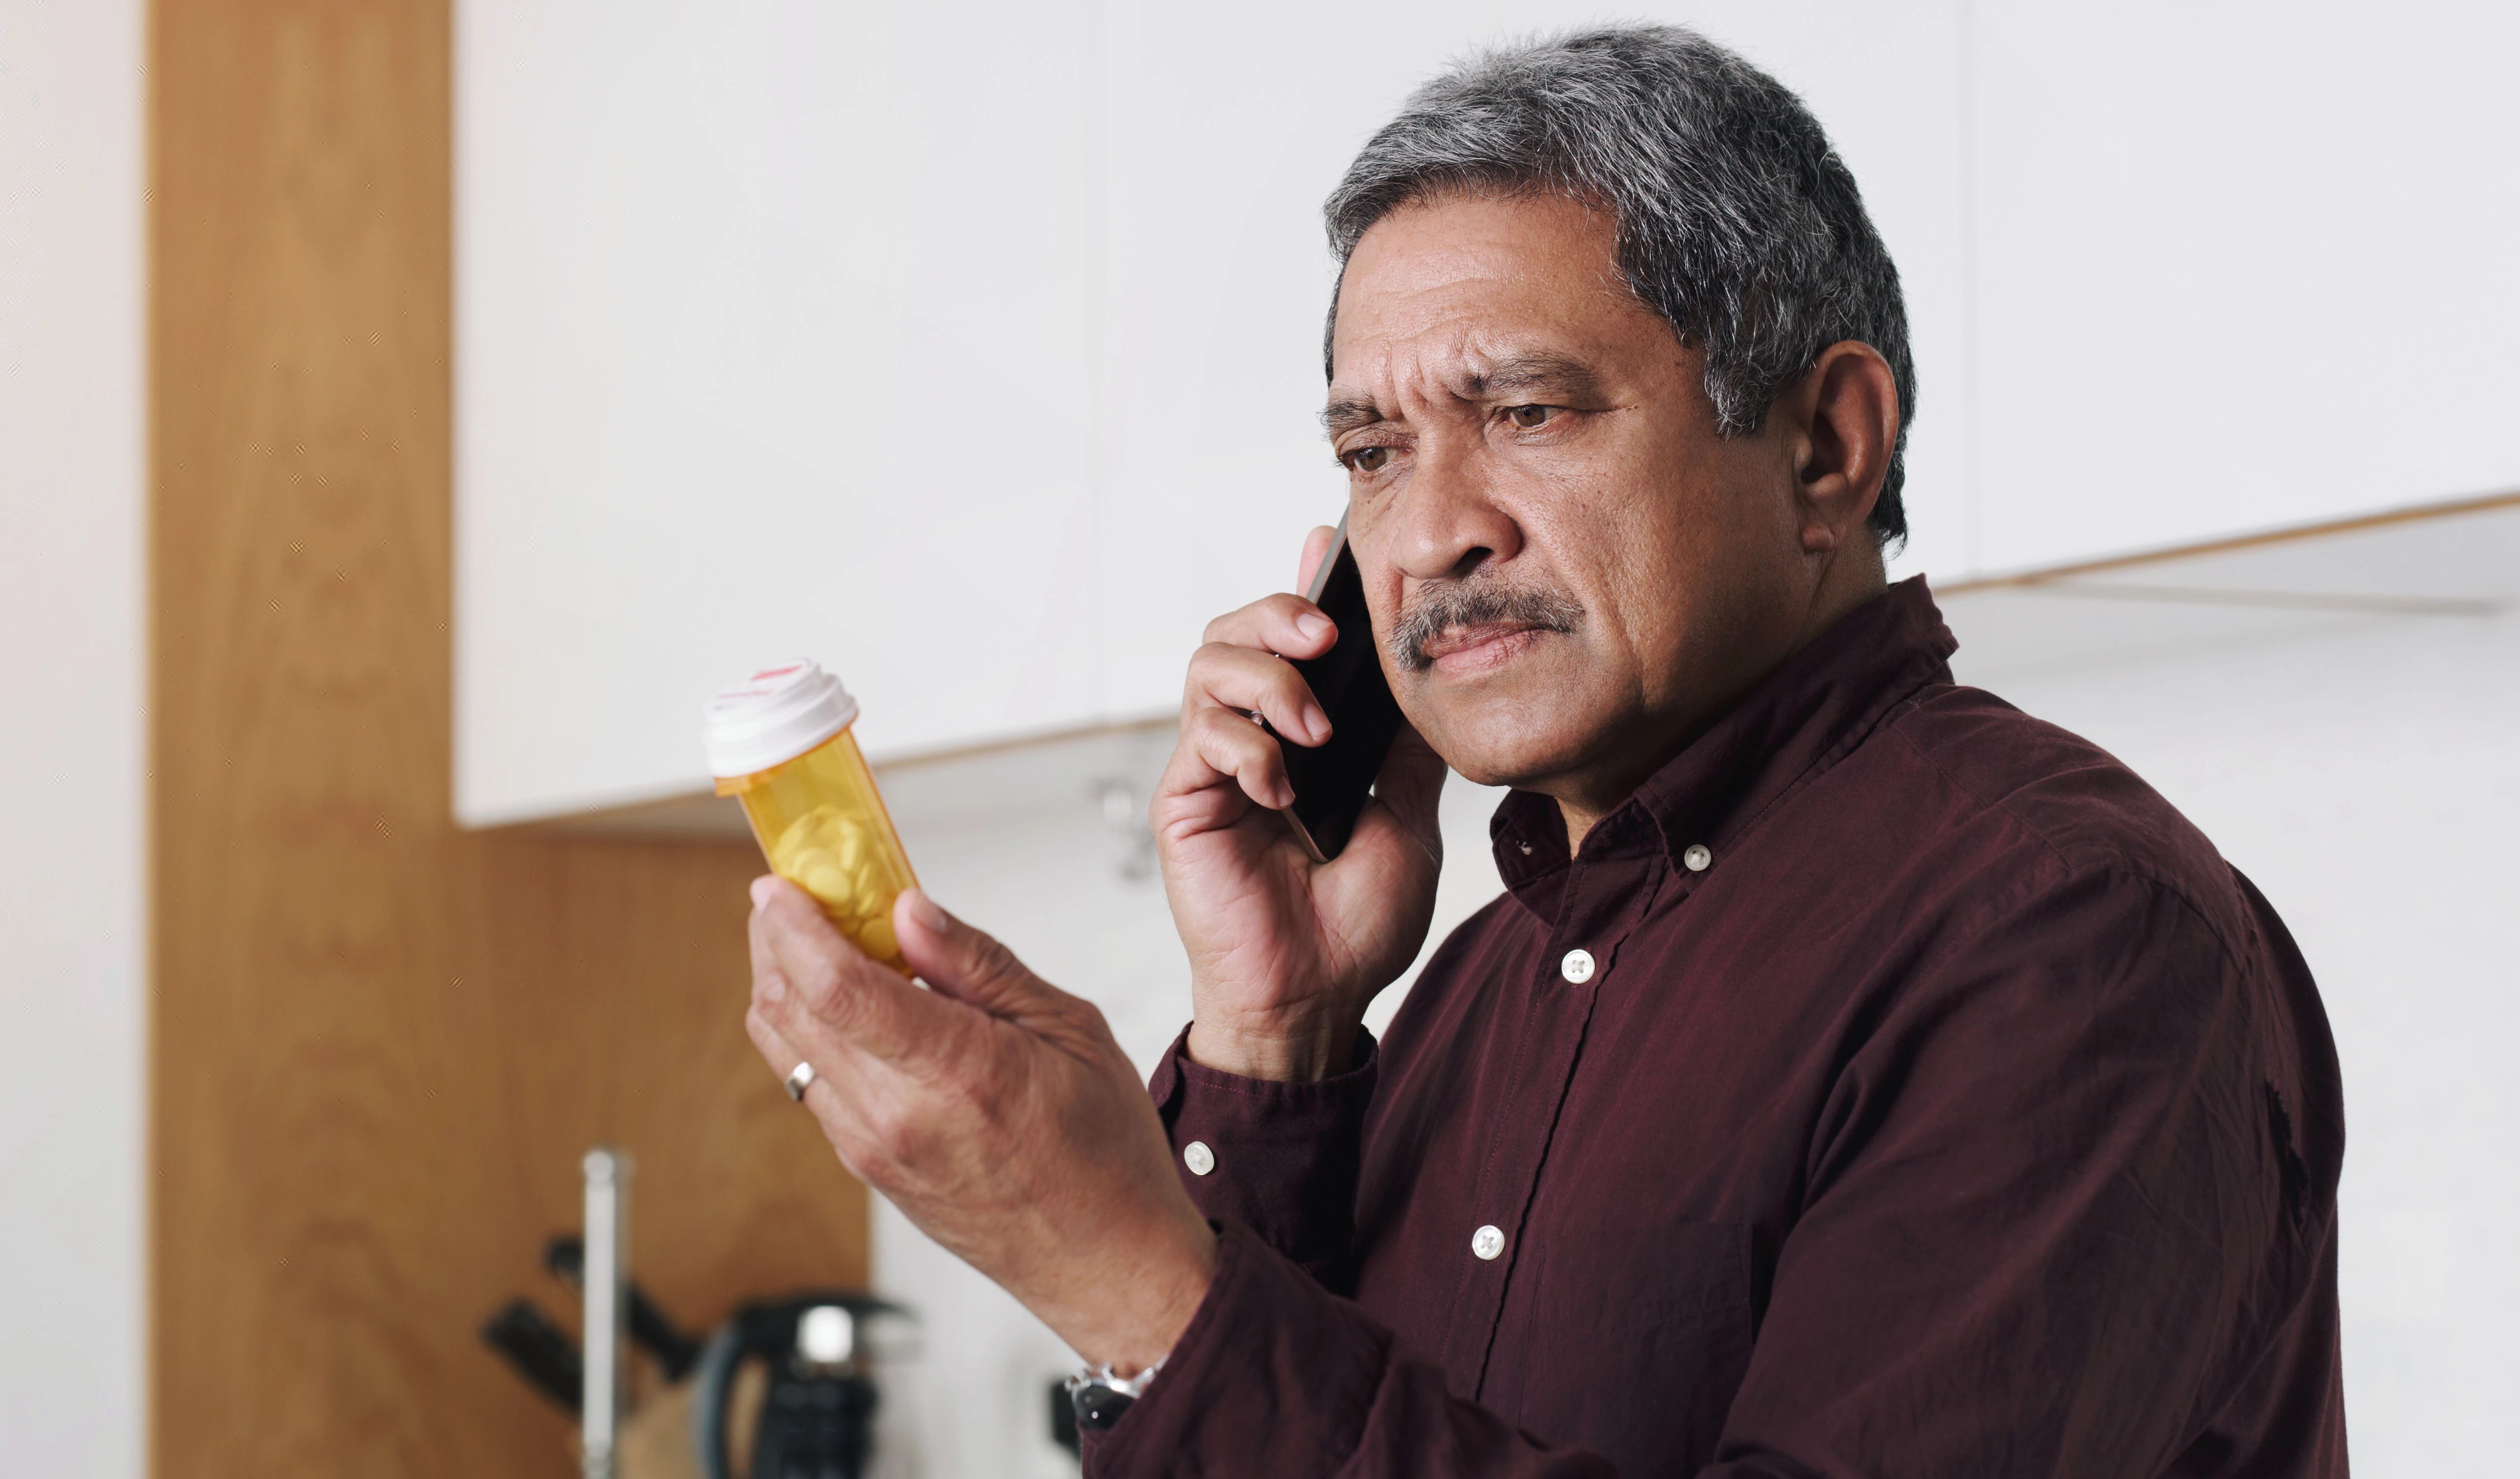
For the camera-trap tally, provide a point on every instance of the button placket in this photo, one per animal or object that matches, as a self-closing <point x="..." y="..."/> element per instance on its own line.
<point x="1604" y="899"/>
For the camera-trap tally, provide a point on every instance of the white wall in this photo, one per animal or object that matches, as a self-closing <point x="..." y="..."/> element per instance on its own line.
<point x="73" y="1059"/>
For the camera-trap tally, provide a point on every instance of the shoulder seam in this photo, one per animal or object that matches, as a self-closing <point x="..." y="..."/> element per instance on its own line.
<point x="2118" y="862"/>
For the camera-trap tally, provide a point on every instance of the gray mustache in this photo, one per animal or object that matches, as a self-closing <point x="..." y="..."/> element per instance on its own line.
<point x="1476" y="603"/>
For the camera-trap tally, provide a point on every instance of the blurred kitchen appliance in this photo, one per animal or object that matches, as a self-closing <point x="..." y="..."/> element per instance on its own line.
<point x="818" y="1409"/>
<point x="791" y="1383"/>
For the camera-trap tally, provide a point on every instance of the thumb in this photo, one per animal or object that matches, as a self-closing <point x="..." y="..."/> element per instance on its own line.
<point x="960" y="962"/>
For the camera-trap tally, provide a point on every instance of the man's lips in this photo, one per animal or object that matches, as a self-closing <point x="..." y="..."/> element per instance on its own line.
<point x="1478" y="645"/>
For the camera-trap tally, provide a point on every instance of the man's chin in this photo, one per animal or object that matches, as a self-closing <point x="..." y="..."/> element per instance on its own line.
<point x="1504" y="734"/>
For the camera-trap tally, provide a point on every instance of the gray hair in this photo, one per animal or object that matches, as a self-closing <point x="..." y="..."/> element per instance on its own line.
<point x="1736" y="221"/>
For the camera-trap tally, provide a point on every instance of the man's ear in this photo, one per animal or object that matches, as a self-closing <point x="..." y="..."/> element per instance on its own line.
<point x="1844" y="422"/>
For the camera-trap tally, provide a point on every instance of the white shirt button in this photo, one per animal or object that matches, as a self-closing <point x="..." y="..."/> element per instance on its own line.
<point x="1577" y="966"/>
<point x="1697" y="857"/>
<point x="1201" y="1159"/>
<point x="1488" y="1241"/>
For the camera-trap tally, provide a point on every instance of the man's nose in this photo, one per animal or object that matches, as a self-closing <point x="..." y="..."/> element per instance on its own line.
<point x="1449" y="520"/>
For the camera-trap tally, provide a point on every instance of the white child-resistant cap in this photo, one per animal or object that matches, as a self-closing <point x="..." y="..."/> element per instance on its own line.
<point x="774" y="716"/>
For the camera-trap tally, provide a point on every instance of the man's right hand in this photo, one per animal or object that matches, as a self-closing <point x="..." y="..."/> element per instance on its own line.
<point x="1286" y="953"/>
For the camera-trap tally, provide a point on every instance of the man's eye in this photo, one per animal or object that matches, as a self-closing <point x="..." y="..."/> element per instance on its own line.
<point x="1528" y="417"/>
<point x="1368" y="458"/>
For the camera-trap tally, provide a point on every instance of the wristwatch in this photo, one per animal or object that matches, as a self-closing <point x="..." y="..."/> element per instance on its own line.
<point x="1101" y="1397"/>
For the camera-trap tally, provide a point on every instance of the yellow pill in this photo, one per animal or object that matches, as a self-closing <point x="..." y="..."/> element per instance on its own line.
<point x="876" y="938"/>
<point x="824" y="879"/>
<point x="817" y="830"/>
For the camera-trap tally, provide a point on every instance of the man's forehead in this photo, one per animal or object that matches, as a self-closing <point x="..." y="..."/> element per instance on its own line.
<point x="1466" y="295"/>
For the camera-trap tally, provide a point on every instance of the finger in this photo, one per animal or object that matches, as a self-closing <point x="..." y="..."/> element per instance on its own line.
<point x="1192" y="796"/>
<point x="781" y="1054"/>
<point x="842" y="1119"/>
<point x="768" y="975"/>
<point x="1220" y="748"/>
<point x="813" y="941"/>
<point x="1315" y="545"/>
<point x="1285" y="624"/>
<point x="1246" y="681"/>
<point x="818" y="979"/>
<point x="968" y="965"/>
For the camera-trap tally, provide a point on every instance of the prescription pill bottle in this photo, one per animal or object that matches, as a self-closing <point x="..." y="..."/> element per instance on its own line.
<point x="779" y="742"/>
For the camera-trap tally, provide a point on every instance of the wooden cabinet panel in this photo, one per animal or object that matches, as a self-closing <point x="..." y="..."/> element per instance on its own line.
<point x="380" y="1044"/>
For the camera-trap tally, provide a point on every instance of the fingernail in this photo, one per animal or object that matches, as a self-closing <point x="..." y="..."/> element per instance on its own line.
<point x="1317" y="724"/>
<point x="762" y="888"/>
<point x="924" y="909"/>
<point x="1315" y="627"/>
<point x="769" y="990"/>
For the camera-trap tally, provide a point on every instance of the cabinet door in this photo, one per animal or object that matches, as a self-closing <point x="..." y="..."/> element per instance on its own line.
<point x="772" y="338"/>
<point x="1226" y="127"/>
<point x="2240" y="265"/>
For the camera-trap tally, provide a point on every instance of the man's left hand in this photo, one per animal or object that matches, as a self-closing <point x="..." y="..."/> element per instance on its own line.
<point x="995" y="1110"/>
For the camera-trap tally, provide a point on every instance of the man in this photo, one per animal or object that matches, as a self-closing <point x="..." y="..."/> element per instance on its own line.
<point x="1858" y="1077"/>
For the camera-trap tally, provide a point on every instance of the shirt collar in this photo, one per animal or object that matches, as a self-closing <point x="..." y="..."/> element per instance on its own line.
<point x="1803" y="717"/>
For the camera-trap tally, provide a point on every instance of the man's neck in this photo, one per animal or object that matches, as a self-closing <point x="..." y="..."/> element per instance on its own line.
<point x="1584" y="797"/>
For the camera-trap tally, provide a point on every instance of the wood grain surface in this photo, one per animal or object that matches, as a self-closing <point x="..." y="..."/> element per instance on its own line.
<point x="380" y="1044"/>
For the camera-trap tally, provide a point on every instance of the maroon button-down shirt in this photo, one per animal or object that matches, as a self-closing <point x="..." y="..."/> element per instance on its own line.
<point x="1894" y="1085"/>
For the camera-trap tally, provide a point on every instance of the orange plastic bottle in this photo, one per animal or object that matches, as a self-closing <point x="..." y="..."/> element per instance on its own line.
<point x="779" y="742"/>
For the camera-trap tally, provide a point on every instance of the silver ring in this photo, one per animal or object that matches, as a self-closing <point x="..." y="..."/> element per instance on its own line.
<point x="799" y="1079"/>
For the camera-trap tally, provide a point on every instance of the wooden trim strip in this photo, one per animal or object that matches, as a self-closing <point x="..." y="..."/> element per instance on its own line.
<point x="2418" y="513"/>
<point x="2278" y="600"/>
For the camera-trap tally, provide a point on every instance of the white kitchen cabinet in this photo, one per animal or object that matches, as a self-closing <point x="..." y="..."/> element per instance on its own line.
<point x="973" y="351"/>
<point x="772" y="339"/>
<point x="976" y="352"/>
<point x="2239" y="266"/>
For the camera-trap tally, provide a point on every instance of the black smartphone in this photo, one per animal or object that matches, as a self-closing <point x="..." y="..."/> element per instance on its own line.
<point x="1333" y="781"/>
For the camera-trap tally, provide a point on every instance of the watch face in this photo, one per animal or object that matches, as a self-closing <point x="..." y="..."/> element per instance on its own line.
<point x="1097" y="1407"/>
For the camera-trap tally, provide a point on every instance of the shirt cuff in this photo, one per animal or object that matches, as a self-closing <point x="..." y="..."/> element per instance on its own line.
<point x="1273" y="1375"/>
<point x="1279" y="1158"/>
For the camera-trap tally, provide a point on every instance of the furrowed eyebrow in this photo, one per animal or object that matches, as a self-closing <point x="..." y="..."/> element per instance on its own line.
<point x="1515" y="374"/>
<point x="1346" y="414"/>
<point x="1521" y="374"/>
